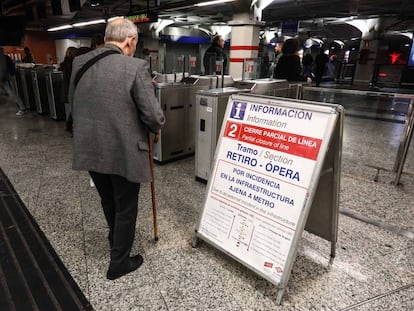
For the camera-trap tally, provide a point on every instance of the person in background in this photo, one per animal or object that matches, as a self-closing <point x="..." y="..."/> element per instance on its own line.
<point x="66" y="68"/>
<point x="278" y="54"/>
<point x="97" y="41"/>
<point x="28" y="56"/>
<point x="288" y="66"/>
<point x="215" y="53"/>
<point x="114" y="109"/>
<point x="307" y="65"/>
<point x="264" y="62"/>
<point x="332" y="67"/>
<point x="83" y="50"/>
<point x="146" y="55"/>
<point x="7" y="70"/>
<point x="320" y="66"/>
<point x="278" y="51"/>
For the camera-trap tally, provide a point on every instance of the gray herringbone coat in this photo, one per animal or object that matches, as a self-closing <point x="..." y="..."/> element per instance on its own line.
<point x="113" y="108"/>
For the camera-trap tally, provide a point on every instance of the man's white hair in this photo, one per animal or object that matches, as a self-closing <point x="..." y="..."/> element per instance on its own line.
<point x="119" y="29"/>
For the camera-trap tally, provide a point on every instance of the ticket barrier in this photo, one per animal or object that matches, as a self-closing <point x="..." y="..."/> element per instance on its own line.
<point x="40" y="89"/>
<point x="174" y="140"/>
<point x="295" y="90"/>
<point x="221" y="81"/>
<point x="170" y="77"/>
<point x="20" y="84"/>
<point x="25" y="87"/>
<point x="210" y="108"/>
<point x="13" y="85"/>
<point x="270" y="87"/>
<point x="30" y="88"/>
<point x="54" y="87"/>
<point x="177" y="99"/>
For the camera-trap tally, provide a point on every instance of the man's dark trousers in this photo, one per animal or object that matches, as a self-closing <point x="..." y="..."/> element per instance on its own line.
<point x="119" y="198"/>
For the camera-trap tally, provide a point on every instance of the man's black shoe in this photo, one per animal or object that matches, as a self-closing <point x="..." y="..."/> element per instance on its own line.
<point x="133" y="264"/>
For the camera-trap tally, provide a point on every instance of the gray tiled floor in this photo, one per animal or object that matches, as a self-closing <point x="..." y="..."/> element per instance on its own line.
<point x="373" y="269"/>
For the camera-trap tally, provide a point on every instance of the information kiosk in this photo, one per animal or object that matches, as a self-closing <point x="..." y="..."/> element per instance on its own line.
<point x="276" y="163"/>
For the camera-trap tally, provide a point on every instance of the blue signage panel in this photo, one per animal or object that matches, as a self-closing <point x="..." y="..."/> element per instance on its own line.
<point x="411" y="58"/>
<point x="290" y="28"/>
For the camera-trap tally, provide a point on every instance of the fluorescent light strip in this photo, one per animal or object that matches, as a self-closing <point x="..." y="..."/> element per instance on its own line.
<point x="212" y="2"/>
<point x="59" y="28"/>
<point x="98" y="21"/>
<point x="113" y="18"/>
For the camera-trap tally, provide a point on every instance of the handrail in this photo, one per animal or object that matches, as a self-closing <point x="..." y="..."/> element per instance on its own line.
<point x="407" y="133"/>
<point x="404" y="144"/>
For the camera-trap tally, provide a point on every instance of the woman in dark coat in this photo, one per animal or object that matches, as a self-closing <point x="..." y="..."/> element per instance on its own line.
<point x="66" y="68"/>
<point x="28" y="58"/>
<point x="288" y="67"/>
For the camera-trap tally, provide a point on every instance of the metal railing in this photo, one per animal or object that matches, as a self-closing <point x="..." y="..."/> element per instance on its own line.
<point x="372" y="105"/>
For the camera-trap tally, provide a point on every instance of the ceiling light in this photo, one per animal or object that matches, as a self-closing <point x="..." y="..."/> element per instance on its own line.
<point x="95" y="3"/>
<point x="313" y="42"/>
<point x="59" y="28"/>
<point x="114" y="18"/>
<point x="212" y="2"/>
<point x="97" y="21"/>
<point x="340" y="43"/>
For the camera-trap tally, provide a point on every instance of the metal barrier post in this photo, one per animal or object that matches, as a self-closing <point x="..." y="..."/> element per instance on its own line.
<point x="403" y="136"/>
<point x="299" y="91"/>
<point x="244" y="69"/>
<point x="13" y="85"/>
<point x="405" y="143"/>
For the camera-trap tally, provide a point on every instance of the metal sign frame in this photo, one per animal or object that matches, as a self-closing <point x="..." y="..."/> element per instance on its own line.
<point x="326" y="172"/>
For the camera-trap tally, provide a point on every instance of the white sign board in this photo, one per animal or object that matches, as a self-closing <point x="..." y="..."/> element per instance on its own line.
<point x="266" y="164"/>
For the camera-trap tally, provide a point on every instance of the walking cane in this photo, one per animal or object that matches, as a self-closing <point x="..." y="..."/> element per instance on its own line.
<point x="154" y="207"/>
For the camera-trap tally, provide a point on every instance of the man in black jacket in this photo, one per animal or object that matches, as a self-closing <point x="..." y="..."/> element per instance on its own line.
<point x="215" y="53"/>
<point x="320" y="66"/>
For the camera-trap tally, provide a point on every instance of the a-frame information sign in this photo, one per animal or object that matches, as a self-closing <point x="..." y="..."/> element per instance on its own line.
<point x="267" y="166"/>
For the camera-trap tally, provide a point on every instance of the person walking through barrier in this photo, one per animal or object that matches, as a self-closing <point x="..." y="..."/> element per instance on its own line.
<point x="320" y="66"/>
<point x="7" y="70"/>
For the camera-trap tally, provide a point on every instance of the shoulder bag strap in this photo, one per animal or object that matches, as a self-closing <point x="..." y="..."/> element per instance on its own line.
<point x="90" y="62"/>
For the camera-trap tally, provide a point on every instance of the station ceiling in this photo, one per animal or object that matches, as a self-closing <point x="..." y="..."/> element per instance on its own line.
<point x="321" y="17"/>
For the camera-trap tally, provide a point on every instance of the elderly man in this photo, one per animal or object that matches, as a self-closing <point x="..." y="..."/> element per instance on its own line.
<point x="114" y="108"/>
